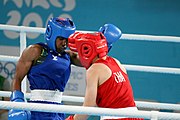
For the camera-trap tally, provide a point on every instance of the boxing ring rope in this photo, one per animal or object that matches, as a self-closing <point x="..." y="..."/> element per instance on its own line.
<point x="124" y="36"/>
<point x="96" y="111"/>
<point x="140" y="104"/>
<point x="139" y="68"/>
<point x="124" y="112"/>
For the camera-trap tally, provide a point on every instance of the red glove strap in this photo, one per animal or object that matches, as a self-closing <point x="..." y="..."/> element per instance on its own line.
<point x="70" y="118"/>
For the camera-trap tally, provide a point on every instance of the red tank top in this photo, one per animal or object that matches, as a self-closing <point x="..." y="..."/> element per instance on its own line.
<point x="116" y="92"/>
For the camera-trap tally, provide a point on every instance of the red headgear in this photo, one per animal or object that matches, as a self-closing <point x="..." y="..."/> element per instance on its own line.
<point x="88" y="46"/>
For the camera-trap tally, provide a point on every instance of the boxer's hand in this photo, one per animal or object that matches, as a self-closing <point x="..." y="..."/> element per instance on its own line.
<point x="18" y="96"/>
<point x="19" y="115"/>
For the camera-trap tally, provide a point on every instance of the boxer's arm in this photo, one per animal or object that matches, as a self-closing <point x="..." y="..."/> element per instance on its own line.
<point x="24" y="64"/>
<point x="91" y="91"/>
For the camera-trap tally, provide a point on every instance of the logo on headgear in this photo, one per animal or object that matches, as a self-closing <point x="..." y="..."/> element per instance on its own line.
<point x="86" y="50"/>
<point x="48" y="32"/>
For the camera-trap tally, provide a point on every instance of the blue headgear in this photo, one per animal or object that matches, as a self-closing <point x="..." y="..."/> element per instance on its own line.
<point x="112" y="34"/>
<point x="58" y="27"/>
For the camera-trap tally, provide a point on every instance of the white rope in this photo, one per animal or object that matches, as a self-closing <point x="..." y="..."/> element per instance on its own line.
<point x="22" y="28"/>
<point x="128" y="67"/>
<point x="124" y="36"/>
<point x="154" y="69"/>
<point x="159" y="106"/>
<point x="140" y="104"/>
<point x="86" y="110"/>
<point x="5" y="58"/>
<point x="150" y="38"/>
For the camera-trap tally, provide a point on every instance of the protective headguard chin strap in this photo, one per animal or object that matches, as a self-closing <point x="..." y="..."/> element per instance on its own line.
<point x="88" y="46"/>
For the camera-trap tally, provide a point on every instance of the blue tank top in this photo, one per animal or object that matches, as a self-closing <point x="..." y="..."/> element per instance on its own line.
<point x="51" y="71"/>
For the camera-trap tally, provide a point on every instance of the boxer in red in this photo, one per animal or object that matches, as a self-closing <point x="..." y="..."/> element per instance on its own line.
<point x="107" y="82"/>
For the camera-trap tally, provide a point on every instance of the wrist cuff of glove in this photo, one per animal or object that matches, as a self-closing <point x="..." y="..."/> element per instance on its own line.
<point x="17" y="96"/>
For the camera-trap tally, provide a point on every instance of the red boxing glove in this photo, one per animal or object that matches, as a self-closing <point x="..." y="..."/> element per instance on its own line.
<point x="70" y="118"/>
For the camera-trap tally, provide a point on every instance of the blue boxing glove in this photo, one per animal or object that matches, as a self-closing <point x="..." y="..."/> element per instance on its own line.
<point x="112" y="34"/>
<point x="18" y="96"/>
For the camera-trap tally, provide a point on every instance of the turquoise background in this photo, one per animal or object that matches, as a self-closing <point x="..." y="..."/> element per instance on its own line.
<point x="152" y="17"/>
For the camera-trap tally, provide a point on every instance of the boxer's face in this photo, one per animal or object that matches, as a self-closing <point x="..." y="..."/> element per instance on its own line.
<point x="61" y="44"/>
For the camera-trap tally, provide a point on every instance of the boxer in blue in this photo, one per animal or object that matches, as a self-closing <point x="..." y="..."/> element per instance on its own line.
<point x="47" y="66"/>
